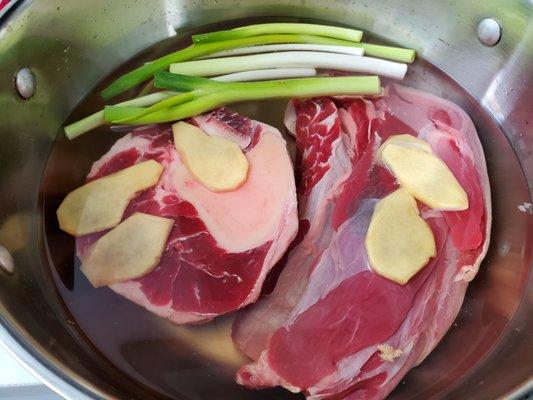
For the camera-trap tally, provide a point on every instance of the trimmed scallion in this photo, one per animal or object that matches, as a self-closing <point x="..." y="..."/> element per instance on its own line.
<point x="165" y="99"/>
<point x="185" y="83"/>
<point x="266" y="74"/>
<point x="376" y="50"/>
<point x="138" y="112"/>
<point x="97" y="119"/>
<point x="335" y="32"/>
<point x="121" y="115"/>
<point x="244" y="91"/>
<point x="290" y="59"/>
<point x="390" y="53"/>
<point x="141" y="74"/>
<point x="269" y="48"/>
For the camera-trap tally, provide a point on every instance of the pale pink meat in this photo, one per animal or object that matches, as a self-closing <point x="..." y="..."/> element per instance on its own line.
<point x="222" y="245"/>
<point x="326" y="328"/>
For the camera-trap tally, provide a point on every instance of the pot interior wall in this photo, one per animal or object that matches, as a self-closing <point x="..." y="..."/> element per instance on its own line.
<point x="86" y="336"/>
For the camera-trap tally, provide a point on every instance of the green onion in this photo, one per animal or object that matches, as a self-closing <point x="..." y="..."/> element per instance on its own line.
<point x="192" y="86"/>
<point x="166" y="103"/>
<point x="374" y="50"/>
<point x="288" y="59"/>
<point x="197" y="89"/>
<point x="141" y="74"/>
<point x="270" y="48"/>
<point x="97" y="119"/>
<point x="275" y="28"/>
<point x="389" y="52"/>
<point x="184" y="83"/>
<point x="329" y="46"/>
<point x="244" y="91"/>
<point x="120" y="115"/>
<point x="303" y="87"/>
<point x="267" y="74"/>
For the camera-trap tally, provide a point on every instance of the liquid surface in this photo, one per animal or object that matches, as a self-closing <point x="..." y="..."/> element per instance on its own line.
<point x="200" y="362"/>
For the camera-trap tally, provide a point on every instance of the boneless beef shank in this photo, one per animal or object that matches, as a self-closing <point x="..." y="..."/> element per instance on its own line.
<point x="332" y="327"/>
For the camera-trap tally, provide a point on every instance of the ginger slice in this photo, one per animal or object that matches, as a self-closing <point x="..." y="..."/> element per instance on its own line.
<point x="399" y="243"/>
<point x="217" y="163"/>
<point x="425" y="176"/>
<point x="100" y="204"/>
<point x="130" y="250"/>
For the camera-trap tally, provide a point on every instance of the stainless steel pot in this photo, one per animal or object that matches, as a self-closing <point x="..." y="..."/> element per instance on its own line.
<point x="70" y="45"/>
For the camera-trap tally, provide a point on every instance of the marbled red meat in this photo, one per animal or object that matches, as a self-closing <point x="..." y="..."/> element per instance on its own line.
<point x="222" y="245"/>
<point x="332" y="327"/>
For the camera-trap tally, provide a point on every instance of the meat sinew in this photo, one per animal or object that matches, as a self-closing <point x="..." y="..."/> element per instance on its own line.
<point x="332" y="327"/>
<point x="222" y="245"/>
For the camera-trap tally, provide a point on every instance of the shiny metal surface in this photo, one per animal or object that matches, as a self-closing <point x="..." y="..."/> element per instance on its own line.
<point x="26" y="358"/>
<point x="71" y="45"/>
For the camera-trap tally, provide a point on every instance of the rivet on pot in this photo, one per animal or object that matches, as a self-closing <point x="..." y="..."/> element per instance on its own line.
<point x="25" y="83"/>
<point x="489" y="32"/>
<point x="6" y="261"/>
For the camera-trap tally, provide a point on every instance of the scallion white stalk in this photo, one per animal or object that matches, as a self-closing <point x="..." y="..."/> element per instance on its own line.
<point x="265" y="74"/>
<point x="269" y="48"/>
<point x="291" y="59"/>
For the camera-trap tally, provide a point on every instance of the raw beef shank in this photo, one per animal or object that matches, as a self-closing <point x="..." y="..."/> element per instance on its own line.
<point x="222" y="244"/>
<point x="332" y="327"/>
